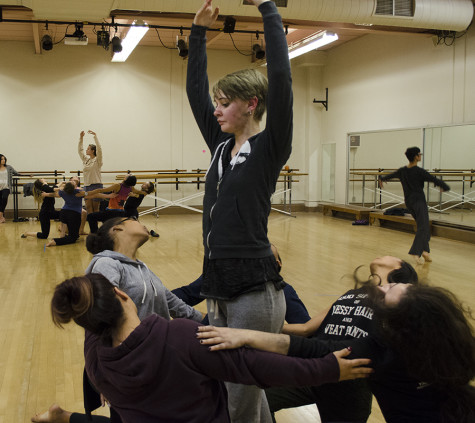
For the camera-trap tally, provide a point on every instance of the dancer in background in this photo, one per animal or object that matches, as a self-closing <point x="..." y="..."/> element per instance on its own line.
<point x="241" y="281"/>
<point x="6" y="180"/>
<point x="47" y="210"/>
<point x="412" y="178"/>
<point x="119" y="194"/>
<point x="92" y="162"/>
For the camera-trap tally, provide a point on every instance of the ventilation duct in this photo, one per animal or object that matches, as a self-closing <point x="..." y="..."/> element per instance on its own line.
<point x="451" y="15"/>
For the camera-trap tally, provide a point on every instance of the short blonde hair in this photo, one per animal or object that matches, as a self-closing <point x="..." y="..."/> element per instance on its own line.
<point x="244" y="85"/>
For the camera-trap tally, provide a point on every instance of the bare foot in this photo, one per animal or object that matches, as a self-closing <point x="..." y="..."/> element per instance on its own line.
<point x="419" y="260"/>
<point x="55" y="414"/>
<point x="50" y="244"/>
<point x="426" y="256"/>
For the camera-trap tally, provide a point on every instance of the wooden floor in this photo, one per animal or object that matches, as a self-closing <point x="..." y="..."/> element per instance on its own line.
<point x="40" y="364"/>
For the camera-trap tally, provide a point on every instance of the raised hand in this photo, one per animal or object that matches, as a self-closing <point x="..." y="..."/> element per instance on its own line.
<point x="352" y="369"/>
<point x="91" y="132"/>
<point x="81" y="135"/>
<point x="206" y="16"/>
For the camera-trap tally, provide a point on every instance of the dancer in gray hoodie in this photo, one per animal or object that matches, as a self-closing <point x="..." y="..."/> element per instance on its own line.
<point x="115" y="247"/>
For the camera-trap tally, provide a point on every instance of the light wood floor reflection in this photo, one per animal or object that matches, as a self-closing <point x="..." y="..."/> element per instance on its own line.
<point x="40" y="364"/>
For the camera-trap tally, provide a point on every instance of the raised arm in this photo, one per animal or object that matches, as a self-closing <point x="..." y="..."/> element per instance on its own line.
<point x="80" y="146"/>
<point x="98" y="147"/>
<point x="279" y="98"/>
<point x="197" y="85"/>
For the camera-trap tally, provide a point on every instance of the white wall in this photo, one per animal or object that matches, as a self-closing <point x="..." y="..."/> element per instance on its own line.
<point x="140" y="112"/>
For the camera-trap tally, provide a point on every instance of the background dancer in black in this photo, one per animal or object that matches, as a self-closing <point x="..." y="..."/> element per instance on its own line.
<point x="412" y="178"/>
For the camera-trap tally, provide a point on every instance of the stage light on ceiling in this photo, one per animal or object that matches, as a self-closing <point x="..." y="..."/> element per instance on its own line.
<point x="103" y="38"/>
<point x="312" y="43"/>
<point x="46" y="42"/>
<point x="78" y="38"/>
<point x="182" y="48"/>
<point x="134" y="35"/>
<point x="258" y="51"/>
<point x="116" y="44"/>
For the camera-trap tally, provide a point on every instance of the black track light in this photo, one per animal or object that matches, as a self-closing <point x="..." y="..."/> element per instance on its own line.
<point x="229" y="25"/>
<point x="46" y="42"/>
<point x="116" y="44"/>
<point x="103" y="38"/>
<point x="258" y="51"/>
<point x="182" y="48"/>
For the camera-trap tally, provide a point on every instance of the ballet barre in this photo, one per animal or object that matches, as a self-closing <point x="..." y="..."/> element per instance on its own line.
<point x="198" y="177"/>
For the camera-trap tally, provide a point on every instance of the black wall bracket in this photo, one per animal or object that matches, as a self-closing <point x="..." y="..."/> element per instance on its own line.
<point x="324" y="102"/>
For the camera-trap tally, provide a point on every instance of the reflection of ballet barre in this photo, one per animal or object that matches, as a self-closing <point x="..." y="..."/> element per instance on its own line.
<point x="457" y="176"/>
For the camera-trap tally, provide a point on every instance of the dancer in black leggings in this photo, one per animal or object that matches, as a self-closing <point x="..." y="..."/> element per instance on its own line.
<point x="47" y="210"/>
<point x="412" y="179"/>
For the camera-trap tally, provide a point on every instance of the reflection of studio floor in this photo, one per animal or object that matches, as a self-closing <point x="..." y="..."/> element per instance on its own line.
<point x="465" y="217"/>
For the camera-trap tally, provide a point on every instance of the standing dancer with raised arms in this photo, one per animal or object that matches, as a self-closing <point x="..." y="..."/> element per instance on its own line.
<point x="241" y="281"/>
<point x="92" y="162"/>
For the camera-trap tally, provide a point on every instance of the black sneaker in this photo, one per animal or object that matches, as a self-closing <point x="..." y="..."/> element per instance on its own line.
<point x="154" y="234"/>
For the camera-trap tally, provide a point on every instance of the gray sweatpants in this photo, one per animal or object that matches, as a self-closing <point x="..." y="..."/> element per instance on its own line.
<point x="260" y="310"/>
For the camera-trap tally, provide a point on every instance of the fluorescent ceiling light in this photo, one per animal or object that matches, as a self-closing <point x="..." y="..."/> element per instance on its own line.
<point x="134" y="35"/>
<point x="312" y="43"/>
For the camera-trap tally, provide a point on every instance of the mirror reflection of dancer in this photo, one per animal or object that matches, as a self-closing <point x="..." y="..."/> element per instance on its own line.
<point x="412" y="178"/>
<point x="241" y="281"/>
<point x="92" y="162"/>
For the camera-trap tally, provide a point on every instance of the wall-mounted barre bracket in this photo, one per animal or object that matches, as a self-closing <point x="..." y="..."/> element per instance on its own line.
<point x="324" y="102"/>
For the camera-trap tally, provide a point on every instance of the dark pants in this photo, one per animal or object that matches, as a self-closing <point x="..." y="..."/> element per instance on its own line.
<point x="4" y="199"/>
<point x="72" y="219"/>
<point x="282" y="398"/>
<point x="420" y="213"/>
<point x="102" y="216"/>
<point x="45" y="220"/>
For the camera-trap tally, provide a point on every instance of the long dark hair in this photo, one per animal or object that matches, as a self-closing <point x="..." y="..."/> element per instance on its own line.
<point x="404" y="274"/>
<point x="102" y="239"/>
<point x="91" y="302"/>
<point x="431" y="330"/>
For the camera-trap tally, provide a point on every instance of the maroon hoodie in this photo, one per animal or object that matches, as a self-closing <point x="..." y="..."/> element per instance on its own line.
<point x="161" y="373"/>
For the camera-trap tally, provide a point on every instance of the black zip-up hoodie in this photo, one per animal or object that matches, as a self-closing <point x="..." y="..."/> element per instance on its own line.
<point x="237" y="203"/>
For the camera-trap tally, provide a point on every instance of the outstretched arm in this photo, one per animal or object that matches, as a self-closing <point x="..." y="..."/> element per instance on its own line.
<point x="98" y="147"/>
<point x="308" y="328"/>
<point x="223" y="338"/>
<point x="229" y="338"/>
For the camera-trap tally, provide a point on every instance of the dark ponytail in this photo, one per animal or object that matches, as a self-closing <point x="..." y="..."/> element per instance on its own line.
<point x="91" y="302"/>
<point x="102" y="239"/>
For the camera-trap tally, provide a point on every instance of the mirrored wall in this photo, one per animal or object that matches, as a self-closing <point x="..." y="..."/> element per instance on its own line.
<point x="448" y="152"/>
